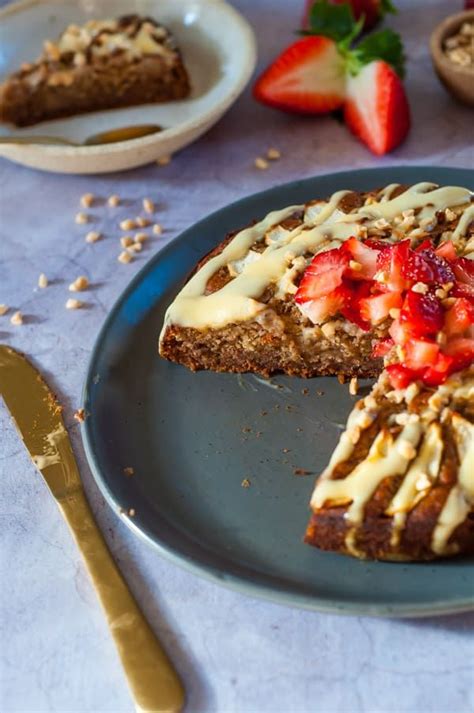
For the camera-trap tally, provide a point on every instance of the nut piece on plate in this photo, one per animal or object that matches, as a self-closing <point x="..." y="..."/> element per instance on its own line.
<point x="452" y="53"/>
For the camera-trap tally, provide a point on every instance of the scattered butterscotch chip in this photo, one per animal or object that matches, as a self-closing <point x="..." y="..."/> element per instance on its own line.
<point x="131" y="512"/>
<point x="79" y="284"/>
<point x="261" y="163"/>
<point x="157" y="229"/>
<point x="353" y="386"/>
<point x="81" y="218"/>
<point x="245" y="483"/>
<point x="142" y="222"/>
<point x="42" y="281"/>
<point x="273" y="154"/>
<point x="80" y="415"/>
<point x="128" y="471"/>
<point x="301" y="471"/>
<point x="148" y="205"/>
<point x="93" y="236"/>
<point x="125" y="257"/>
<point x="163" y="161"/>
<point x="135" y="247"/>
<point x="87" y="200"/>
<point x="113" y="201"/>
<point x="17" y="318"/>
<point x="126" y="241"/>
<point x="74" y="304"/>
<point x="127" y="224"/>
<point x="141" y="237"/>
<point x="3" y="310"/>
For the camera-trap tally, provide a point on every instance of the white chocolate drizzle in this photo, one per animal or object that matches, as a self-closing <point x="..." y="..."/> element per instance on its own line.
<point x="238" y="300"/>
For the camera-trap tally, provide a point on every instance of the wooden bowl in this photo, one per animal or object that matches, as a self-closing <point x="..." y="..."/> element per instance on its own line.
<point x="458" y="80"/>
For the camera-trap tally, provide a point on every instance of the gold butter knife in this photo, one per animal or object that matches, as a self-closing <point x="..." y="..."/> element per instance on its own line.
<point x="154" y="683"/>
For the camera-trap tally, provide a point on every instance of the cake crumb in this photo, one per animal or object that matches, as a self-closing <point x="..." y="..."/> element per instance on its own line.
<point x="273" y="154"/>
<point x="81" y="218"/>
<point x="301" y="471"/>
<point x="42" y="281"/>
<point x="261" y="163"/>
<point x="305" y="392"/>
<point x="263" y="413"/>
<point x="80" y="415"/>
<point x="245" y="483"/>
<point x="93" y="236"/>
<point x="87" y="200"/>
<point x="74" y="304"/>
<point x="3" y="309"/>
<point x="163" y="160"/>
<point x="354" y="386"/>
<point x="128" y="471"/>
<point x="286" y="450"/>
<point x="131" y="512"/>
<point x="79" y="284"/>
<point x="125" y="257"/>
<point x="320" y="393"/>
<point x="113" y="201"/>
<point x="17" y="318"/>
<point x="148" y="205"/>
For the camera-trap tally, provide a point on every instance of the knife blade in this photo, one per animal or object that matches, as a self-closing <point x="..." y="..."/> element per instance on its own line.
<point x="154" y="684"/>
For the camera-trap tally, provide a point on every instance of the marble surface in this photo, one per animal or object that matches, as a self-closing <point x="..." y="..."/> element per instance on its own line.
<point x="235" y="654"/>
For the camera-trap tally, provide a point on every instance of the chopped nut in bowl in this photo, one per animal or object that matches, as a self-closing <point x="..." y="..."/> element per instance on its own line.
<point x="452" y="52"/>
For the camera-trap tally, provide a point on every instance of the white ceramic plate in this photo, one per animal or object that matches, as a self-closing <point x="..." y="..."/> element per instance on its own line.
<point x="218" y="48"/>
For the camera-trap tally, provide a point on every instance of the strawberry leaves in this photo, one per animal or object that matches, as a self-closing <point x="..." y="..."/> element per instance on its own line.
<point x="385" y="45"/>
<point x="334" y="21"/>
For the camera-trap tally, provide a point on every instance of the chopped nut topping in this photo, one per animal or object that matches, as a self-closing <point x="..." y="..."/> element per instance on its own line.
<point x="113" y="201"/>
<point x="81" y="218"/>
<point x="148" y="205"/>
<point x="354" y="265"/>
<point x="141" y="237"/>
<point x="406" y="449"/>
<point x="273" y="154"/>
<point x="394" y="312"/>
<point x="353" y="386"/>
<point x="423" y="482"/>
<point x="80" y="415"/>
<point x="163" y="161"/>
<point x="157" y="229"/>
<point x="128" y="471"/>
<point x="16" y="318"/>
<point x="79" y="284"/>
<point x="261" y="163"/>
<point x="42" y="281"/>
<point x="459" y="48"/>
<point x="93" y="236"/>
<point x="142" y="222"/>
<point x="126" y="241"/>
<point x="74" y="304"/>
<point x="3" y="309"/>
<point x="86" y="200"/>
<point x="125" y="257"/>
<point x="450" y="214"/>
<point x="328" y="329"/>
<point x="448" y="302"/>
<point x="127" y="224"/>
<point x="420" y="287"/>
<point x="354" y="435"/>
<point x="441" y="294"/>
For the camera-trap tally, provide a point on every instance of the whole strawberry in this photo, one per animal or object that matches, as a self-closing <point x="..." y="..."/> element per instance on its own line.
<point x="325" y="71"/>
<point x="371" y="10"/>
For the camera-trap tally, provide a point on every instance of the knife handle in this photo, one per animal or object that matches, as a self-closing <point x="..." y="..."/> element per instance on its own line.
<point x="154" y="683"/>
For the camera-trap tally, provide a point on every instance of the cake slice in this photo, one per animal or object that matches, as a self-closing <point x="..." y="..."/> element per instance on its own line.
<point x="302" y="291"/>
<point x="104" y="64"/>
<point x="400" y="483"/>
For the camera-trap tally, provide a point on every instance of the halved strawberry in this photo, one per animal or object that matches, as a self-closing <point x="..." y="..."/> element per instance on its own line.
<point x="420" y="353"/>
<point x="308" y="78"/>
<point x="421" y="315"/>
<point x="459" y="317"/>
<point x="376" y="308"/>
<point x="447" y="251"/>
<point x="323" y="275"/>
<point x="365" y="256"/>
<point x="376" y="108"/>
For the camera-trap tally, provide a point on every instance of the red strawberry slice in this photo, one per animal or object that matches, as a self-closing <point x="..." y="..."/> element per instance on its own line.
<point x="464" y="270"/>
<point x="420" y="353"/>
<point x="447" y="251"/>
<point x="308" y="77"/>
<point x="422" y="315"/>
<point x="364" y="255"/>
<point x="460" y="317"/>
<point x="323" y="275"/>
<point x="439" y="371"/>
<point x="376" y="108"/>
<point x="382" y="347"/>
<point x="320" y="309"/>
<point x="391" y="261"/>
<point x="424" y="265"/>
<point x="462" y="352"/>
<point x="401" y="376"/>
<point x="375" y="309"/>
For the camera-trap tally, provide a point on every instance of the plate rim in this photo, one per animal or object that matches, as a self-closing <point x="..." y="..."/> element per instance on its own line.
<point x="248" y="63"/>
<point x="244" y="584"/>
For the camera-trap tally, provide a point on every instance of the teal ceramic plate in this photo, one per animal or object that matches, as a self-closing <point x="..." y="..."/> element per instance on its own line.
<point x="193" y="438"/>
